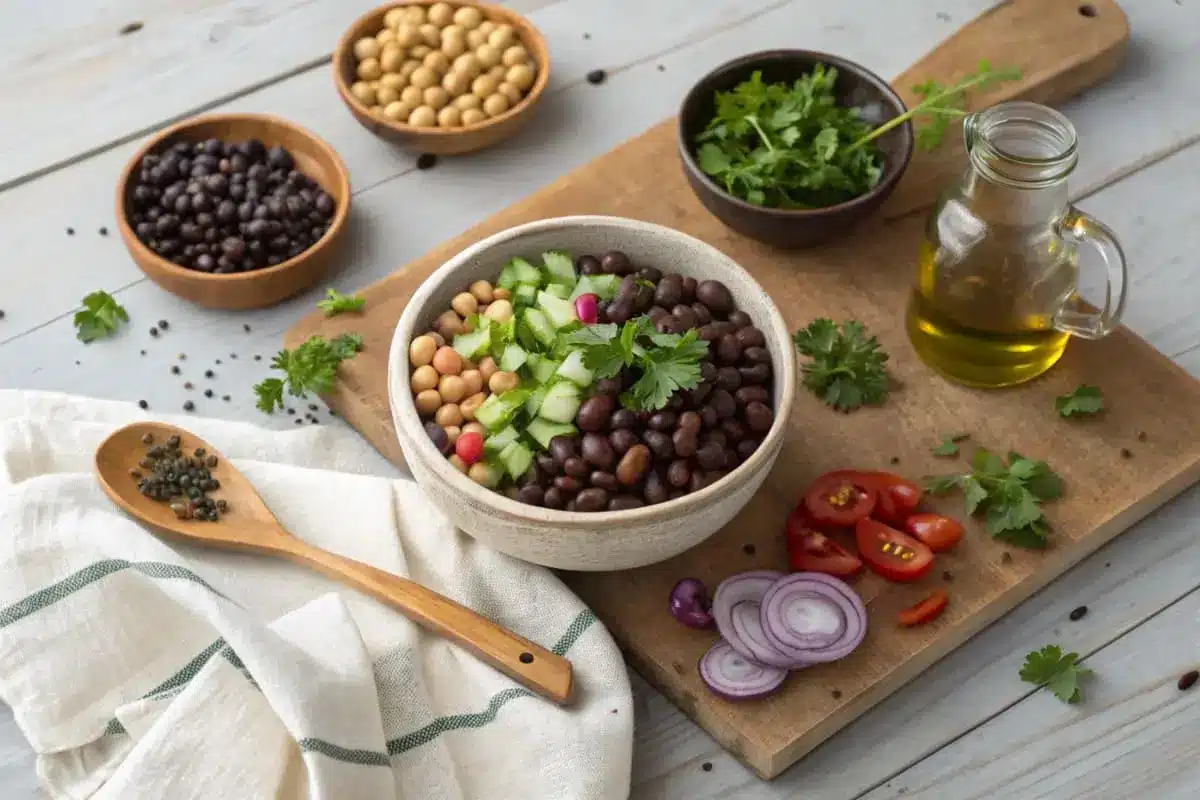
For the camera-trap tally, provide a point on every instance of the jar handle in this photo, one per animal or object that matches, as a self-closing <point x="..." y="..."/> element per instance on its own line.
<point x="1079" y="228"/>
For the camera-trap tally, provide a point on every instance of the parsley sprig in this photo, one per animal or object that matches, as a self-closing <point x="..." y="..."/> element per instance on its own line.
<point x="311" y="367"/>
<point x="1008" y="494"/>
<point x="1083" y="400"/>
<point x="1057" y="671"/>
<point x="949" y="444"/>
<point x="667" y="362"/>
<point x="846" y="370"/>
<point x="337" y="303"/>
<point x="100" y="317"/>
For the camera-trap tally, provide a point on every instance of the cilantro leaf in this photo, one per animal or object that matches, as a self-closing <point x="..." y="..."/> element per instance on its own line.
<point x="270" y="395"/>
<point x="949" y="444"/>
<point x="100" y="317"/>
<point x="846" y="370"/>
<point x="1057" y="671"/>
<point x="667" y="362"/>
<point x="1083" y="400"/>
<point x="668" y="369"/>
<point x="337" y="303"/>
<point x="311" y="367"/>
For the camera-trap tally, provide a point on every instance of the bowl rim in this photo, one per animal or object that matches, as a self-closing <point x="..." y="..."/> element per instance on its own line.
<point x="141" y="251"/>
<point x="541" y="58"/>
<point x="782" y="54"/>
<point x="409" y="424"/>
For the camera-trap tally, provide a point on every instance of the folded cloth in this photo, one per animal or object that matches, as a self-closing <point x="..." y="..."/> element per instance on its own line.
<point x="141" y="669"/>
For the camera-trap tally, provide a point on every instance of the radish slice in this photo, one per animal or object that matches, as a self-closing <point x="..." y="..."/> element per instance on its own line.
<point x="813" y="617"/>
<point x="745" y="592"/>
<point x="730" y="675"/>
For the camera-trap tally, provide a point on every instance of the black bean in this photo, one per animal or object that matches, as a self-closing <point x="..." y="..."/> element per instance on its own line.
<point x="715" y="295"/>
<point x="652" y="274"/>
<point x="716" y="437"/>
<point x="723" y="403"/>
<point x="531" y="494"/>
<point x="734" y="431"/>
<point x="728" y="379"/>
<point x="708" y="333"/>
<point x="619" y="312"/>
<point x="689" y="289"/>
<point x="625" y="502"/>
<point x="562" y="448"/>
<point x="668" y="324"/>
<point x="759" y="417"/>
<point x="594" y="499"/>
<point x="746" y="447"/>
<point x="654" y="490"/>
<point x="696" y="397"/>
<point x="751" y="337"/>
<point x="676" y="401"/>
<point x="610" y="386"/>
<point x="685" y="315"/>
<point x="739" y="319"/>
<point x="663" y="421"/>
<point x="622" y="418"/>
<point x="604" y="480"/>
<point x="660" y="444"/>
<point x="684" y="441"/>
<point x="703" y="315"/>
<point x="757" y="374"/>
<point x="1078" y="613"/>
<point x="554" y="498"/>
<point x="690" y="420"/>
<point x="729" y="350"/>
<point x="679" y="473"/>
<point x="669" y="292"/>
<point x="546" y="462"/>
<point x="750" y="394"/>
<point x="698" y="481"/>
<point x="588" y="265"/>
<point x="576" y="467"/>
<point x="598" y="452"/>
<point x="567" y="484"/>
<point x="622" y="439"/>
<point x="614" y="262"/>
<point x="708" y="416"/>
<point x="594" y="414"/>
<point x="757" y="355"/>
<point x="656" y="313"/>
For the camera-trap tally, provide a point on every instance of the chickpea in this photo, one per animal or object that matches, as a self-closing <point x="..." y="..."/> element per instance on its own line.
<point x="393" y="18"/>
<point x="437" y="61"/>
<point x="393" y="81"/>
<point x="488" y="56"/>
<point x="483" y="86"/>
<point x="502" y="381"/>
<point x="468" y="16"/>
<point x="467" y="102"/>
<point x="469" y="406"/>
<point x="366" y="48"/>
<point x="363" y="93"/>
<point x="448" y="324"/>
<point x="458" y="463"/>
<point x="407" y="69"/>
<point x="495" y="105"/>
<point x="454" y="46"/>
<point x="441" y="14"/>
<point x="468" y="64"/>
<point x="385" y="37"/>
<point x="487" y="368"/>
<point x="482" y="291"/>
<point x="449" y="117"/>
<point x="499" y="311"/>
<point x="486" y="27"/>
<point x="431" y="34"/>
<point x="407" y="35"/>
<point x="387" y="96"/>
<point x="475" y="427"/>
<point x="452" y="388"/>
<point x="448" y="414"/>
<point x="437" y="339"/>
<point x="473" y="116"/>
<point x="465" y="304"/>
<point x="428" y="402"/>
<point x="476" y="39"/>
<point x="502" y="37"/>
<point x="482" y="474"/>
<point x="511" y="92"/>
<point x="422" y="117"/>
<point x="423" y="377"/>
<point x="468" y="365"/>
<point x="416" y="16"/>
<point x="369" y="69"/>
<point x="436" y="98"/>
<point x="412" y="95"/>
<point x="446" y="360"/>
<point x="500" y="293"/>
<point x="497" y="73"/>
<point x="420" y="51"/>
<point x="398" y="111"/>
<point x="520" y="76"/>
<point x="421" y="350"/>
<point x="453" y="31"/>
<point x="473" y="379"/>
<point x="423" y="78"/>
<point x="391" y="59"/>
<point x="515" y="55"/>
<point x="377" y="111"/>
<point x="455" y="83"/>
<point x="452" y="433"/>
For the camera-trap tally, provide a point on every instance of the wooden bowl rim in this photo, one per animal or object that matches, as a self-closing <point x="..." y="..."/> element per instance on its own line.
<point x="784" y="54"/>
<point x="537" y="43"/>
<point x="342" y="179"/>
<point x="409" y="425"/>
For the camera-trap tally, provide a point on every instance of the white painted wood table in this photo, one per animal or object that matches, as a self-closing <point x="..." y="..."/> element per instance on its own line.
<point x="77" y="96"/>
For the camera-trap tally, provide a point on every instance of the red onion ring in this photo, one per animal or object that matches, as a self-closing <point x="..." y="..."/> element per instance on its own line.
<point x="746" y="620"/>
<point x="747" y="589"/>
<point x="813" y="617"/>
<point x="728" y="674"/>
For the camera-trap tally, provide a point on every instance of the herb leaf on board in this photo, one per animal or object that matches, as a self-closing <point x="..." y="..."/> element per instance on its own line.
<point x="1083" y="400"/>
<point x="337" y="303"/>
<point x="311" y="367"/>
<point x="1057" y="671"/>
<point x="846" y="370"/>
<point x="949" y="444"/>
<point x="99" y="318"/>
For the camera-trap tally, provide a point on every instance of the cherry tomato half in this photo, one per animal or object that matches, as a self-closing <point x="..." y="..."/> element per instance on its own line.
<point x="936" y="532"/>
<point x="810" y="551"/>
<point x="929" y="608"/>
<point x="838" y="500"/>
<point x="897" y="497"/>
<point x="891" y="553"/>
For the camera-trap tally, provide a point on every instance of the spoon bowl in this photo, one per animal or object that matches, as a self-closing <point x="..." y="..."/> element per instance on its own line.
<point x="249" y="525"/>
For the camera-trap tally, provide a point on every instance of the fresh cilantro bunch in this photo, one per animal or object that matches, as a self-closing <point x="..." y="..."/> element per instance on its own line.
<point x="846" y="370"/>
<point x="667" y="362"/>
<point x="337" y="303"/>
<point x="1057" y="671"/>
<point x="1084" y="401"/>
<point x="311" y="367"/>
<point x="100" y="316"/>
<point x="1009" y="495"/>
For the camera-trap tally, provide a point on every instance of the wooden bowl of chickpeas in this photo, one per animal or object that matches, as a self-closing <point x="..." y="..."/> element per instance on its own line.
<point x="442" y="78"/>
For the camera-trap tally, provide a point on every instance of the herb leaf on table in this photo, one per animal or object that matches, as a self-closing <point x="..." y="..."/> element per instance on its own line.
<point x="337" y="303"/>
<point x="1083" y="400"/>
<point x="100" y="317"/>
<point x="1057" y="671"/>
<point x="311" y="367"/>
<point x="949" y="444"/>
<point x="846" y="370"/>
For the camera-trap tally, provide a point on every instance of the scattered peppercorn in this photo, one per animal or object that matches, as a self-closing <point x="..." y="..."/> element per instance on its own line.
<point x="1141" y="436"/>
<point x="948" y="576"/>
<point x="706" y="766"/>
<point x="314" y="420"/>
<point x="748" y="549"/>
<point x="103" y="231"/>
<point x="143" y="352"/>
<point x="131" y="27"/>
<point x="426" y="161"/>
<point x="894" y="459"/>
<point x="163" y="324"/>
<point x="837" y="694"/>
<point x="208" y="392"/>
<point x="216" y="361"/>
<point x="188" y="385"/>
<point x="292" y="411"/>
<point x="142" y="404"/>
<point x="596" y="77"/>
<point x="1078" y="613"/>
<point x="1126" y="452"/>
<point x="1007" y="558"/>
<point x="1" y="313"/>
<point x="661" y="68"/>
<point x="208" y="373"/>
<point x="233" y="355"/>
<point x="298" y="421"/>
<point x="587" y="36"/>
<point x="258" y="358"/>
<point x="183" y="356"/>
<point x="312" y="406"/>
<point x="189" y="406"/>
<point x="70" y="231"/>
<point x="225" y="397"/>
<point x="175" y="370"/>
<point x="246" y="327"/>
<point x="1188" y="679"/>
<point x="154" y="332"/>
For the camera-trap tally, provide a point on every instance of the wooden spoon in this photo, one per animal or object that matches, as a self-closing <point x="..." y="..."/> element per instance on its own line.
<point x="250" y="525"/>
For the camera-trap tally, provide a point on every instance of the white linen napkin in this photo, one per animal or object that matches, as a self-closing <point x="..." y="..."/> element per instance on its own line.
<point x="141" y="669"/>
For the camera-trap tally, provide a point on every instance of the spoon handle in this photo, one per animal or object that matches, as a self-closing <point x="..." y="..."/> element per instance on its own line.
<point x="528" y="663"/>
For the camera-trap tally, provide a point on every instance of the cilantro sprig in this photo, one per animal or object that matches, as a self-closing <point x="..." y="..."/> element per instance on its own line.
<point x="1083" y="400"/>
<point x="1057" y="671"/>
<point x="1008" y="493"/>
<point x="846" y="370"/>
<point x="949" y="444"/>
<point x="792" y="145"/>
<point x="667" y="362"/>
<point x="311" y="367"/>
<point x="100" y="317"/>
<point x="337" y="303"/>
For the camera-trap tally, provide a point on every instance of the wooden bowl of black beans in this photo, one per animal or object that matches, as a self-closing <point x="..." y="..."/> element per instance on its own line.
<point x="233" y="211"/>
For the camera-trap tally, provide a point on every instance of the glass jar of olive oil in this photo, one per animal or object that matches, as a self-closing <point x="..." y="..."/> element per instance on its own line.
<point x="996" y="297"/>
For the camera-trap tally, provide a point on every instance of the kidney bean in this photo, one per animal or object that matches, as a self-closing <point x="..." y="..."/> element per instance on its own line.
<point x="728" y="379"/>
<point x="708" y="416"/>
<point x="708" y="371"/>
<point x="697" y="481"/>
<point x="697" y="396"/>
<point x="685" y="315"/>
<point x="598" y="452"/>
<point x="716" y="437"/>
<point x="605" y="480"/>
<point x="554" y="498"/>
<point x="684" y="442"/>
<point x="618" y="313"/>
<point x="689" y="289"/>
<point x="622" y="418"/>
<point x="531" y="494"/>
<point x="614" y="262"/>
<point x="562" y="448"/>
<point x="567" y="484"/>
<point x="728" y="348"/>
<point x="676" y="401"/>
<point x="657" y="313"/>
<point x="643" y="298"/>
<point x="437" y="435"/>
<point x="610" y="386"/>
<point x="588" y="265"/>
<point x="690" y="420"/>
<point x="757" y="355"/>
<point x="759" y="417"/>
<point x="707" y="333"/>
<point x="594" y="413"/>
<point x="715" y="295"/>
<point x="571" y="505"/>
<point x="723" y="403"/>
<point x="668" y="324"/>
<point x="546" y="462"/>
<point x="750" y="337"/>
<point x="734" y="431"/>
<point x="652" y="274"/>
<point x="703" y="315"/>
<point x="659" y="444"/>
<point x="669" y="292"/>
<point x="759" y="373"/>
<point x="593" y="499"/>
<point x="576" y="467"/>
<point x="749" y="394"/>
<point x="711" y="456"/>
<point x="624" y="502"/>
<point x="746" y="447"/>
<point x="622" y="439"/>
<point x="626" y="290"/>
<point x="722" y="328"/>
<point x="663" y="421"/>
<point x="655" y="491"/>
<point x="739" y="319"/>
<point x="679" y="473"/>
<point x="633" y="465"/>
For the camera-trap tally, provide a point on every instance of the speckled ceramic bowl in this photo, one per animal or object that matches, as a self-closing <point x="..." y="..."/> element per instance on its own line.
<point x="606" y="540"/>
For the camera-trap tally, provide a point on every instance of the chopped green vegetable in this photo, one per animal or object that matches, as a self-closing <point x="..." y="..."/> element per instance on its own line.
<point x="1084" y="400"/>
<point x="949" y="445"/>
<point x="846" y="370"/>
<point x="311" y="367"/>
<point x="1008" y="494"/>
<point x="337" y="303"/>
<point x="559" y="268"/>
<point x="1057" y="671"/>
<point x="100" y="317"/>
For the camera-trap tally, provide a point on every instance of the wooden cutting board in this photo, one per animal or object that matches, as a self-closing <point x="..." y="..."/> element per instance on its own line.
<point x="1144" y="449"/>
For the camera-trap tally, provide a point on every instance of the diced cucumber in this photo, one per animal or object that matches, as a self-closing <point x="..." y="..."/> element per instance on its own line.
<point x="499" y="409"/>
<point x="517" y="459"/>
<point x="573" y="369"/>
<point x="498" y="441"/>
<point x="543" y="430"/>
<point x="559" y="267"/>
<point x="534" y="403"/>
<point x="525" y="294"/>
<point x="558" y="311"/>
<point x="543" y="370"/>
<point x="524" y="334"/>
<point x="561" y="403"/>
<point x="475" y="344"/>
<point x="526" y="272"/>
<point x="539" y="325"/>
<point x="513" y="357"/>
<point x="558" y="290"/>
<point x="508" y="277"/>
<point x="603" y="286"/>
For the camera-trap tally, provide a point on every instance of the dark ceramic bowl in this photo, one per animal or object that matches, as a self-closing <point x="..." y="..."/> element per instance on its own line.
<point x="795" y="228"/>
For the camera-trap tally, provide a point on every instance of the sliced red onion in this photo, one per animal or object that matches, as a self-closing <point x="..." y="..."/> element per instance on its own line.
<point x="732" y="676"/>
<point x="746" y="619"/>
<point x="737" y="598"/>
<point x="813" y="617"/>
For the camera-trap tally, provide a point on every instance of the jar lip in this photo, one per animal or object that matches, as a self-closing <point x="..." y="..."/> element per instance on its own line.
<point x="1046" y="129"/>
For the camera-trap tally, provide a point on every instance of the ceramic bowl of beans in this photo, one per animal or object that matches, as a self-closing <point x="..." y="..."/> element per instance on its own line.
<point x="233" y="211"/>
<point x="442" y="78"/>
<point x="591" y="393"/>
